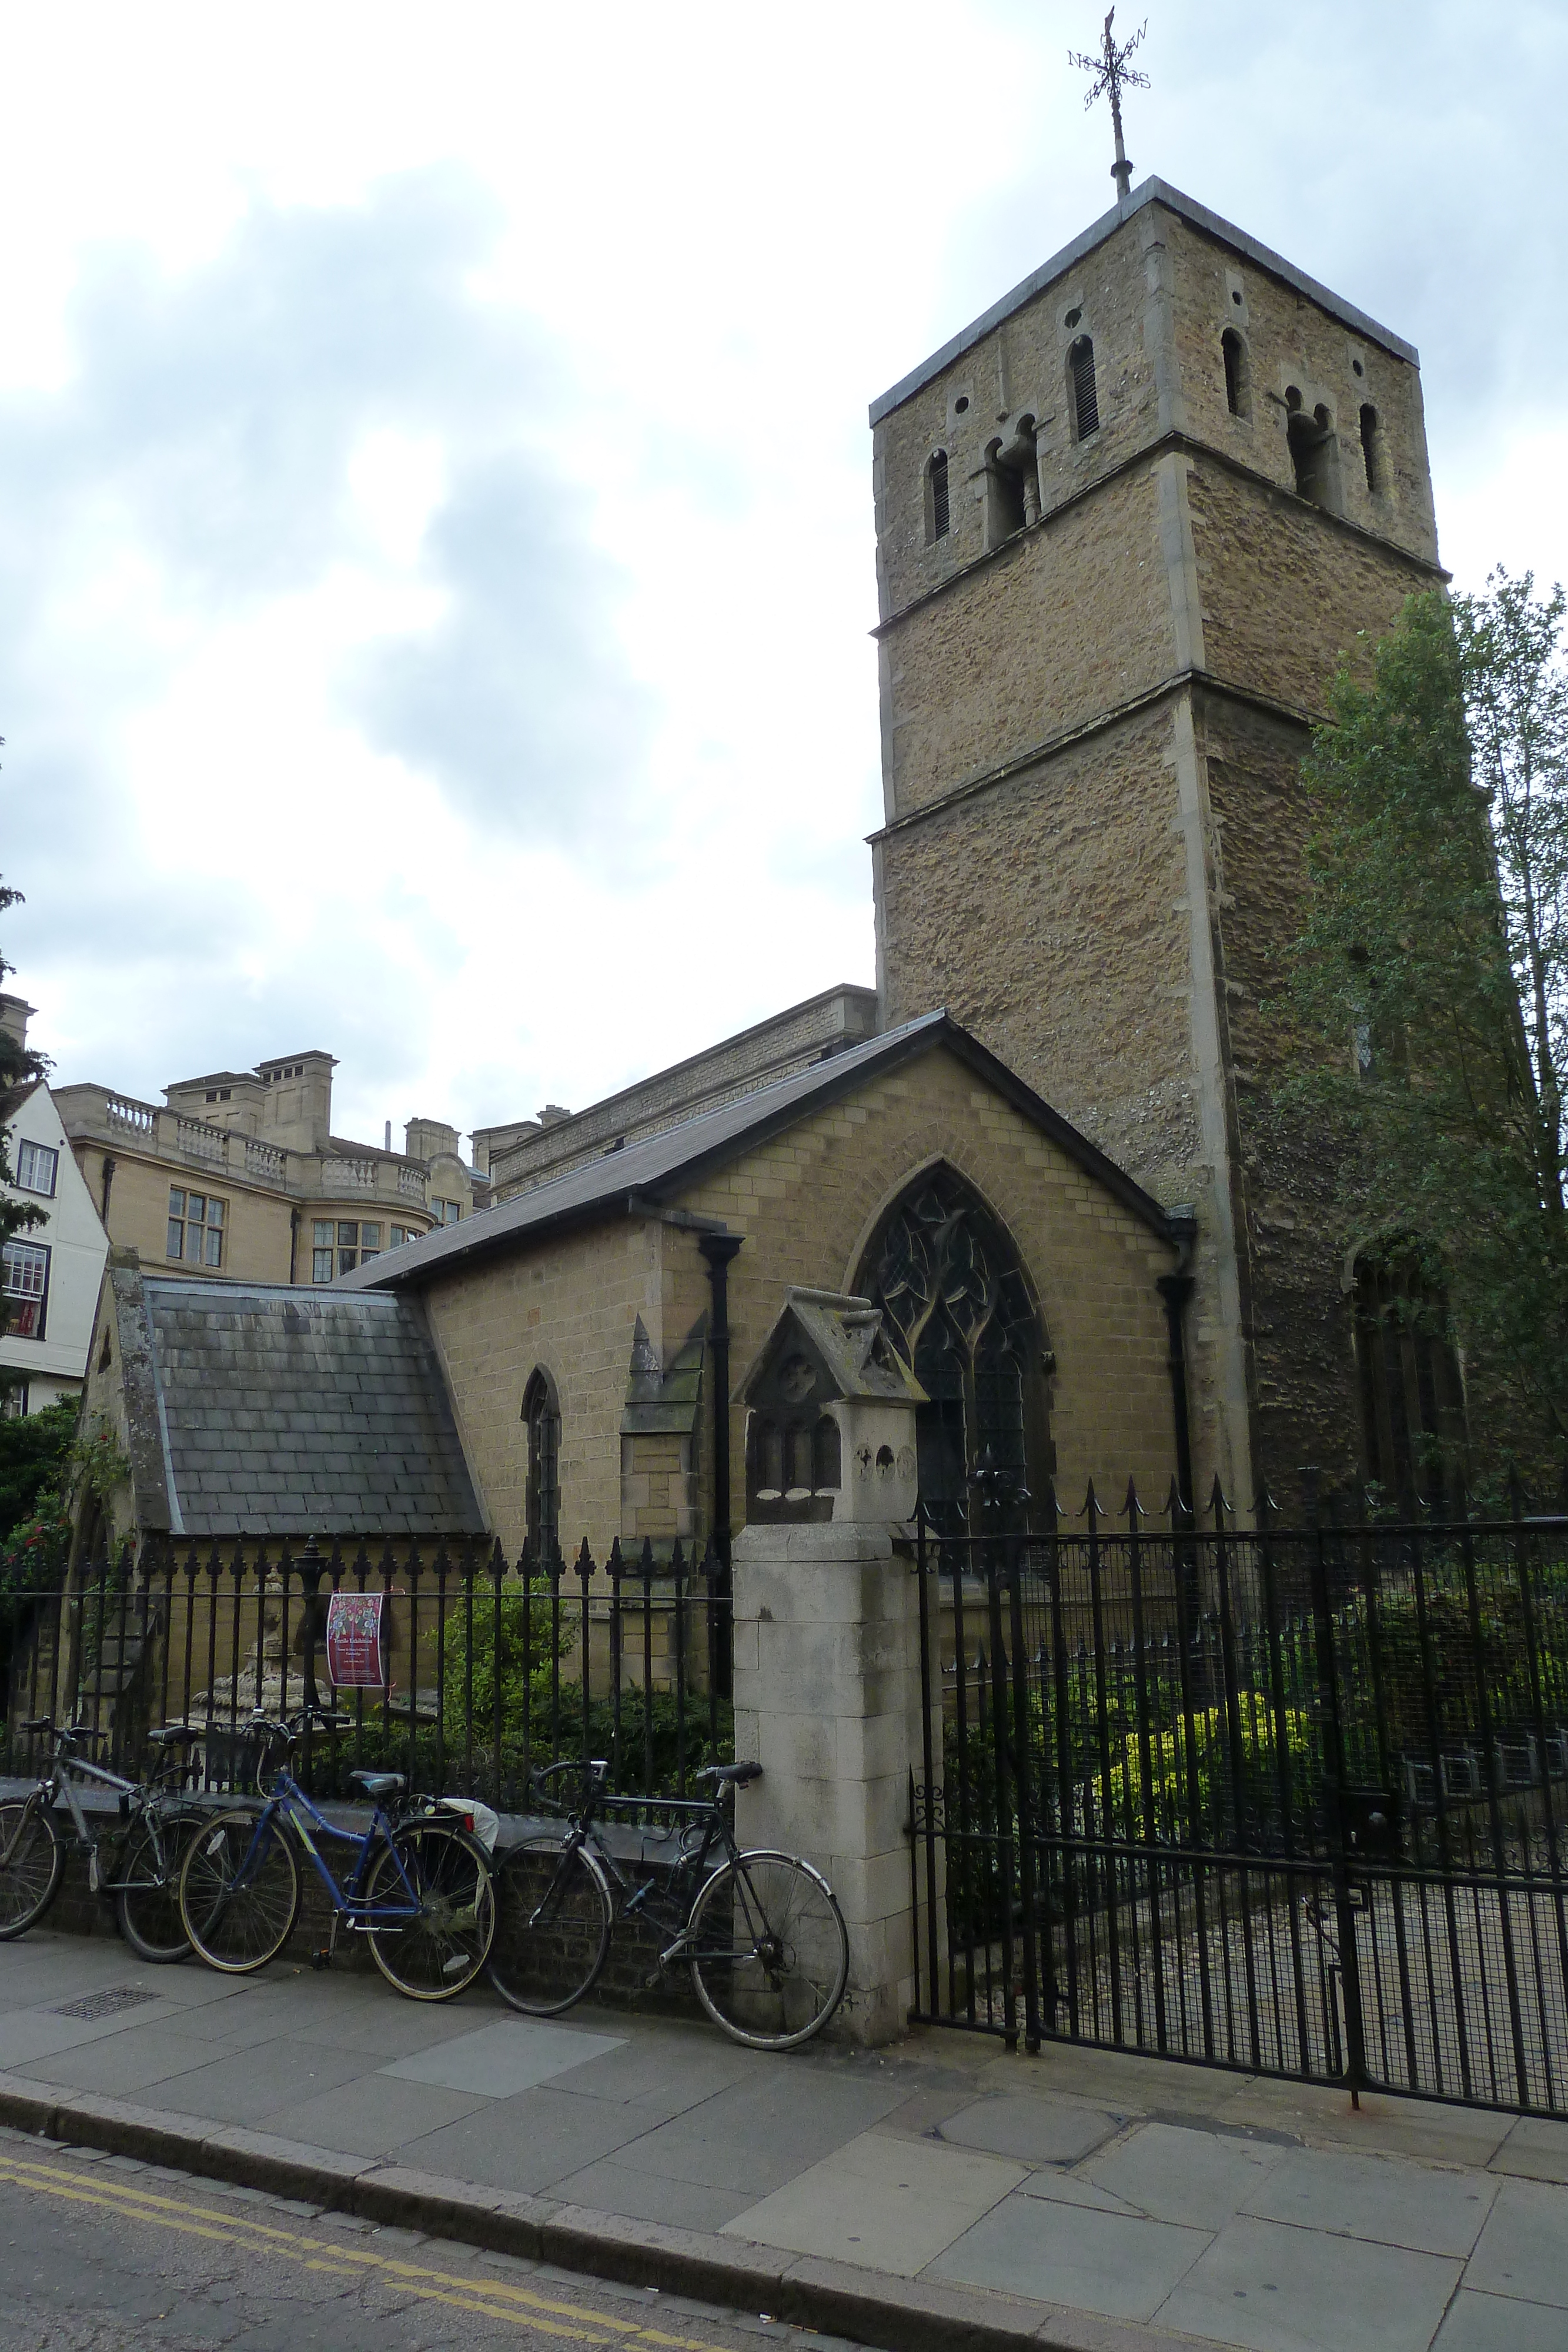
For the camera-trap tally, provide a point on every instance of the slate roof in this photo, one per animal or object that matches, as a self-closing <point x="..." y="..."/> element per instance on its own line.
<point x="300" y="1412"/>
<point x="661" y="1165"/>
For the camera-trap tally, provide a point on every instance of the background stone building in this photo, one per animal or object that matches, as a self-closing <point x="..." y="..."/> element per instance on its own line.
<point x="238" y="1175"/>
<point x="1127" y="524"/>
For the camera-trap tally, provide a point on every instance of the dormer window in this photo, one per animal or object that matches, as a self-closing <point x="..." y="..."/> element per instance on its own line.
<point x="1081" y="389"/>
<point x="936" y="508"/>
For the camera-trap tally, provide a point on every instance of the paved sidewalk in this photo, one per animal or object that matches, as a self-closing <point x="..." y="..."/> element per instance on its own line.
<point x="938" y="2193"/>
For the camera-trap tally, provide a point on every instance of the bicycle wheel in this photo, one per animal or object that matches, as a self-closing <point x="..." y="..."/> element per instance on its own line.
<point x="239" y="1892"/>
<point x="771" y="1952"/>
<point x="31" y="1862"/>
<point x="434" y="1954"/>
<point x="147" y="1897"/>
<point x="553" y="1913"/>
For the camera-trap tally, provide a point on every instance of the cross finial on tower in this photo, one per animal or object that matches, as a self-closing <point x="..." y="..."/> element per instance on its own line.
<point x="1112" y="73"/>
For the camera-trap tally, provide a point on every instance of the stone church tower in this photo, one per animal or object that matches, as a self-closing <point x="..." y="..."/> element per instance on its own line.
<point x="1127" y="522"/>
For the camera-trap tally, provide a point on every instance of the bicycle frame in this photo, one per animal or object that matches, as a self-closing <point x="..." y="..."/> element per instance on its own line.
<point x="666" y="1908"/>
<point x="288" y="1801"/>
<point x="58" y="1783"/>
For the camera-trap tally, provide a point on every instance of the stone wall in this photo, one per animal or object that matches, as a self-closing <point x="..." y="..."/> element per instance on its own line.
<point x="807" y="1205"/>
<point x="1287" y="591"/>
<point x="1064" y="623"/>
<point x="256" y="1246"/>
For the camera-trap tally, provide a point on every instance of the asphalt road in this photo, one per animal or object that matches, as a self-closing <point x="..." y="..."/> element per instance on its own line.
<point x="101" y="2254"/>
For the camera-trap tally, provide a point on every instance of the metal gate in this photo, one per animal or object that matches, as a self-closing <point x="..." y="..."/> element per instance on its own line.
<point x="1290" y="1800"/>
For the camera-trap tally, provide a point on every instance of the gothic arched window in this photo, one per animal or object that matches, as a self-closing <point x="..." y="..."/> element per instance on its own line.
<point x="1081" y="385"/>
<point x="952" y="1293"/>
<point x="541" y="1415"/>
<point x="1412" y="1400"/>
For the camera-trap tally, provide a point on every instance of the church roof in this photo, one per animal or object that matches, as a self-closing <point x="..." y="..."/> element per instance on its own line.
<point x="265" y="1408"/>
<point x="1147" y="191"/>
<point x="641" y="1175"/>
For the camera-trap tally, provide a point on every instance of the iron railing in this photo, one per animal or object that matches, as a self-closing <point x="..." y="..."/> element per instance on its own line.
<point x="1294" y="1800"/>
<point x="494" y="1666"/>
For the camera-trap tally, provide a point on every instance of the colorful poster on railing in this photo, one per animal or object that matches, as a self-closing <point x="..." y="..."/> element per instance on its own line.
<point x="356" y="1654"/>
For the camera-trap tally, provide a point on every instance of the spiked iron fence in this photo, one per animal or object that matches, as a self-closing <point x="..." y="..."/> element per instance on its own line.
<point x="1288" y="1800"/>
<point x="494" y="1666"/>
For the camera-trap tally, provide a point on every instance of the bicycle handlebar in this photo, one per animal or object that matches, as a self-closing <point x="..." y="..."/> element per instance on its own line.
<point x="294" y="1727"/>
<point x="63" y="1731"/>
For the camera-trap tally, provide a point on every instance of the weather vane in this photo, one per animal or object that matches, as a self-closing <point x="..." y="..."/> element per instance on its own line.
<point x="1112" y="73"/>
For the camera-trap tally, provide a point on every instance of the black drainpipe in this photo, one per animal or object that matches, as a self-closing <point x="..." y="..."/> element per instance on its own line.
<point x="109" y="1168"/>
<point x="293" y="1241"/>
<point x="1176" y="1289"/>
<point x="718" y="1249"/>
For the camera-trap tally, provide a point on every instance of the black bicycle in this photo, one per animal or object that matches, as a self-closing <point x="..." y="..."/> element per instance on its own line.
<point x="760" y="1933"/>
<point x="136" y="1859"/>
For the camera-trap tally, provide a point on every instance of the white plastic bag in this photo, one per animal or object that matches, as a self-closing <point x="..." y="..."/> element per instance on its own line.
<point x="474" y="1816"/>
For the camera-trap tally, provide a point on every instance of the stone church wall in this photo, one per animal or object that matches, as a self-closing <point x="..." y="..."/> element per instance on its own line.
<point x="1061" y="625"/>
<point x="807" y="1205"/>
<point x="1290" y="340"/>
<point x="1285" y="590"/>
<point x="1019" y="368"/>
<point x="1047" y="915"/>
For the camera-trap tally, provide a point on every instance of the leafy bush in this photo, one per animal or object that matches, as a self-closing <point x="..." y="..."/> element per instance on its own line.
<point x="1199" y="1748"/>
<point x="33" y="1452"/>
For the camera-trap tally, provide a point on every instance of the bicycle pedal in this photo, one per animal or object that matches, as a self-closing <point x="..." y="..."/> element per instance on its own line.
<point x="652" y="1984"/>
<point x="322" y="1959"/>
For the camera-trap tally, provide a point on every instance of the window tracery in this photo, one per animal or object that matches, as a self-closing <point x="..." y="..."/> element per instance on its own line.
<point x="957" y="1304"/>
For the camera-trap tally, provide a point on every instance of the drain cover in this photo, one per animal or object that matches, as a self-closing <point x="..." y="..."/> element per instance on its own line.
<point x="104" y="2004"/>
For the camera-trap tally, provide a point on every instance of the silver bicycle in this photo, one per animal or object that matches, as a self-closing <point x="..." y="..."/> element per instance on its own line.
<point x="136" y="1859"/>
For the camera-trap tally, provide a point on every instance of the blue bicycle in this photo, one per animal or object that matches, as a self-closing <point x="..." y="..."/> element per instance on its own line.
<point x="418" y="1886"/>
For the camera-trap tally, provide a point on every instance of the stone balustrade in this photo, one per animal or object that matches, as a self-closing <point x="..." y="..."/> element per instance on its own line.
<point x="98" y="1115"/>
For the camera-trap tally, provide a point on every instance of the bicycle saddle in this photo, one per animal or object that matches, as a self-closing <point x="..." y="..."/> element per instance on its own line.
<point x="173" y="1735"/>
<point x="377" y="1784"/>
<point x="740" y="1776"/>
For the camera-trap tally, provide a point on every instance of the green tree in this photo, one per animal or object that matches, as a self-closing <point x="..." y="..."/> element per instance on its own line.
<point x="1430" y="981"/>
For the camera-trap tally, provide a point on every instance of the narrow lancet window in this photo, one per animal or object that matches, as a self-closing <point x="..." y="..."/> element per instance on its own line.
<point x="1237" y="391"/>
<point x="1082" y="387"/>
<point x="541" y="1418"/>
<point x="1371" y="450"/>
<point x="936" y="510"/>
<point x="1312" y="451"/>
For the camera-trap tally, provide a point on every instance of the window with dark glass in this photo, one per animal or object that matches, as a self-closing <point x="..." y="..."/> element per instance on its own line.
<point x="541" y="1415"/>
<point x="26" y="1287"/>
<point x="950" y="1285"/>
<point x="38" y="1169"/>
<point x="196" y="1223"/>
<point x="340" y="1244"/>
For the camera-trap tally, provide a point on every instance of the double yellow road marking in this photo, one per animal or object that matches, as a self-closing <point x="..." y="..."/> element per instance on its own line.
<point x="491" y="2298"/>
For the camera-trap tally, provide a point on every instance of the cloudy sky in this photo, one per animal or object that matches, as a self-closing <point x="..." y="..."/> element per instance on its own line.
<point x="435" y="553"/>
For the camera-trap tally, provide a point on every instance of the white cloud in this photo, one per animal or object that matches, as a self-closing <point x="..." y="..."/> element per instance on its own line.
<point x="437" y="566"/>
